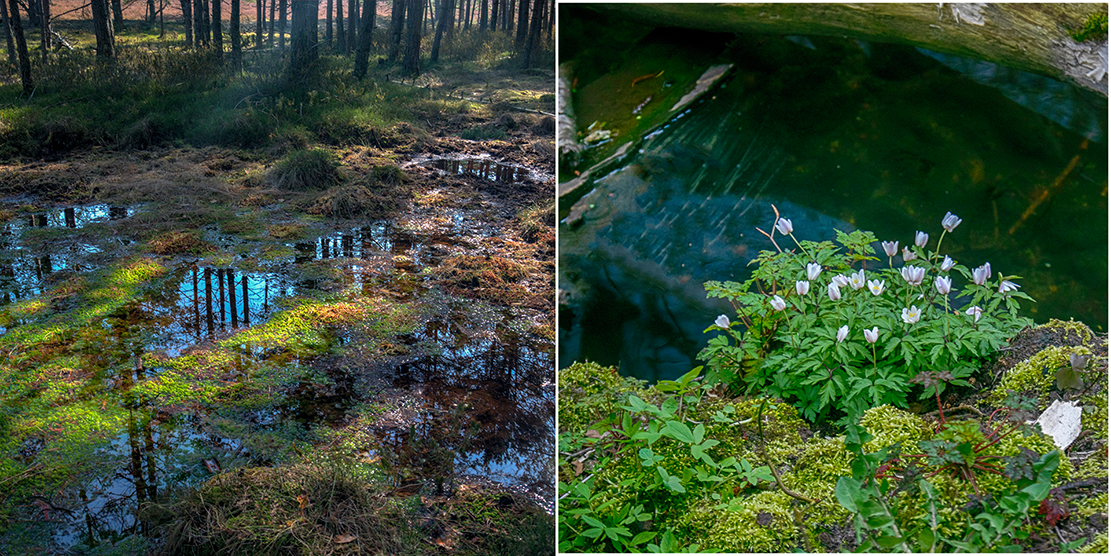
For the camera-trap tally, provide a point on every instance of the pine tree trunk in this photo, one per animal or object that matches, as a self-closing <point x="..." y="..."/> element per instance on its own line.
<point x="522" y="25"/>
<point x="534" y="31"/>
<point x="283" y="7"/>
<point x="187" y="21"/>
<point x="303" y="38"/>
<point x="260" y="13"/>
<point x="117" y="16"/>
<point x="8" y="37"/>
<point x="328" y="23"/>
<point x="217" y="30"/>
<point x="102" y="26"/>
<point x="273" y="12"/>
<point x="397" y="27"/>
<point x="44" y="28"/>
<point x="441" y="25"/>
<point x="341" y="38"/>
<point x="236" y="39"/>
<point x="21" y="42"/>
<point x="352" y="25"/>
<point x="411" y="64"/>
<point x="362" y="51"/>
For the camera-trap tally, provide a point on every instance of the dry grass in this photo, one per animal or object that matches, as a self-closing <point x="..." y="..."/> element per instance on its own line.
<point x="179" y="243"/>
<point x="354" y="201"/>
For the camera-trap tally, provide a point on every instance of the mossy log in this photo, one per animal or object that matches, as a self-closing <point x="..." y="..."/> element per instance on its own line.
<point x="1037" y="38"/>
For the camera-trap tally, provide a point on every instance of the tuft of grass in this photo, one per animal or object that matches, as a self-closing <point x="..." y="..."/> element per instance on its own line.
<point x="1094" y="28"/>
<point x="306" y="170"/>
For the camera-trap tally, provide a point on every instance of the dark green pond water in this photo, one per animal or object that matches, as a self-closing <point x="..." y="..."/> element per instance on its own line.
<point x="835" y="133"/>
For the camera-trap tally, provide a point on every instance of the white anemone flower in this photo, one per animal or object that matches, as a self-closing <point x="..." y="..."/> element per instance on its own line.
<point x="784" y="226"/>
<point x="981" y="274"/>
<point x="722" y="321"/>
<point x="842" y="333"/>
<point x="875" y="286"/>
<point x="834" y="292"/>
<point x="891" y="248"/>
<point x="911" y="314"/>
<point x="943" y="285"/>
<point x="921" y="238"/>
<point x="950" y="221"/>
<point x="908" y="255"/>
<point x="1008" y="286"/>
<point x="778" y="304"/>
<point x="913" y="274"/>
<point x="872" y="335"/>
<point x="802" y="286"/>
<point x="975" y="313"/>
<point x="813" y="270"/>
<point x="947" y="264"/>
<point x="840" y="280"/>
<point x="856" y="280"/>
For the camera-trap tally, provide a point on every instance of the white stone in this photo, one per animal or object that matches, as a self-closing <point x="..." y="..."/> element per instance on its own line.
<point x="1062" y="422"/>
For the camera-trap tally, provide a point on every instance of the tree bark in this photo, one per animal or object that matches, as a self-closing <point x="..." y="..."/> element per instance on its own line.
<point x="260" y="14"/>
<point x="302" y="37"/>
<point x="236" y="39"/>
<point x="1029" y="37"/>
<point x="328" y="23"/>
<point x="217" y="30"/>
<point x="21" y="44"/>
<point x="441" y="26"/>
<point x="397" y="27"/>
<point x="102" y="27"/>
<point x="283" y="7"/>
<point x="352" y="26"/>
<point x="341" y="39"/>
<point x="187" y="21"/>
<point x="44" y="28"/>
<point x="362" y="51"/>
<point x="522" y="25"/>
<point x="533" y="42"/>
<point x="8" y="37"/>
<point x="270" y="35"/>
<point x="411" y="64"/>
<point x="117" y="15"/>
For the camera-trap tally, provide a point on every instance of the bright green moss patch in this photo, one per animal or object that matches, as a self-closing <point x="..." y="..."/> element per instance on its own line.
<point x="1036" y="375"/>
<point x="765" y="523"/>
<point x="889" y="426"/>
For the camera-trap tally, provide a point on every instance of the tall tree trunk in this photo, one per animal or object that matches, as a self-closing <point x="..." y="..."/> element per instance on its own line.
<point x="217" y="30"/>
<point x="198" y="23"/>
<point x="207" y="16"/>
<point x="341" y="38"/>
<point x="494" y="5"/>
<point x="411" y="65"/>
<point x="441" y="27"/>
<point x="117" y="16"/>
<point x="533" y="41"/>
<point x="187" y="21"/>
<point x="352" y="25"/>
<point x="8" y="37"/>
<point x="522" y="25"/>
<point x="260" y="13"/>
<point x="273" y="8"/>
<point x="283" y="7"/>
<point x="24" y="60"/>
<point x="362" y="51"/>
<point x="150" y="11"/>
<point x="236" y="39"/>
<point x="102" y="26"/>
<point x="484" y="18"/>
<point x="328" y="23"/>
<point x="302" y="37"/>
<point x="397" y="27"/>
<point x="44" y="27"/>
<point x="33" y="12"/>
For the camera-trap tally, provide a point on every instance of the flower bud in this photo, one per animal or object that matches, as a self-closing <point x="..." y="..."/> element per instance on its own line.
<point x="722" y="321"/>
<point x="891" y="248"/>
<point x="943" y="284"/>
<point x="813" y="270"/>
<point x="947" y="264"/>
<point x="784" y="226"/>
<point x="920" y="238"/>
<point x="834" y="292"/>
<point x="842" y="333"/>
<point x="981" y="274"/>
<point x="802" y="286"/>
<point x="950" y="221"/>
<point x="872" y="335"/>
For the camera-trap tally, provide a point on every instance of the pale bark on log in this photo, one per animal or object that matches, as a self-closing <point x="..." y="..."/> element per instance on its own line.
<point x="1029" y="37"/>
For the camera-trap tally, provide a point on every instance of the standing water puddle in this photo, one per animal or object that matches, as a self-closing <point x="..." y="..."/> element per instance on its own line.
<point x="481" y="168"/>
<point x="477" y="383"/>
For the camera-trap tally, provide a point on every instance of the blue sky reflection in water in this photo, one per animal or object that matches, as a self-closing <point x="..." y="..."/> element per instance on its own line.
<point x="836" y="134"/>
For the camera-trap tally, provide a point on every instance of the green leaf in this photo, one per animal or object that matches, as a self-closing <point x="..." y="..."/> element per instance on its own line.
<point x="593" y="522"/>
<point x="642" y="538"/>
<point x="679" y="431"/>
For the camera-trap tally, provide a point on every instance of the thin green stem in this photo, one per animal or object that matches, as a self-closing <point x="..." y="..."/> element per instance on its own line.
<point x="807" y="253"/>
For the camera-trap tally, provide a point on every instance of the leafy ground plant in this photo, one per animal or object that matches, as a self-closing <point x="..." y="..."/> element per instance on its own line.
<point x="837" y="337"/>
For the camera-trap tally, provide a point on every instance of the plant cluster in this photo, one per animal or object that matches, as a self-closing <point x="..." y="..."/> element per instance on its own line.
<point x="837" y="335"/>
<point x="903" y="512"/>
<point x="670" y="458"/>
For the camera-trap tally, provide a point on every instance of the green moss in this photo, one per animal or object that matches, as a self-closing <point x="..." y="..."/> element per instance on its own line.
<point x="1097" y="546"/>
<point x="1089" y="506"/>
<point x="814" y="475"/>
<point x="889" y="425"/>
<point x="589" y="392"/>
<point x="1094" y="28"/>
<point x="1036" y="375"/>
<point x="740" y="532"/>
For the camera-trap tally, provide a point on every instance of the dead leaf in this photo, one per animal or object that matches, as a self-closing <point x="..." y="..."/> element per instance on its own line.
<point x="578" y="465"/>
<point x="344" y="538"/>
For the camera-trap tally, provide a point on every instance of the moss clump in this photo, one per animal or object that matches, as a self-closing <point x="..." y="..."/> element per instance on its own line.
<point x="1094" y="28"/>
<point x="742" y="531"/>
<point x="1097" y="546"/>
<point x="180" y="243"/>
<point x="589" y="392"/>
<point x="1036" y="375"/>
<point x="306" y="170"/>
<point x="889" y="426"/>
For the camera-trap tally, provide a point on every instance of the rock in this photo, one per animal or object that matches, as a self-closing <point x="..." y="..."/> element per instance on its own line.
<point x="1062" y="422"/>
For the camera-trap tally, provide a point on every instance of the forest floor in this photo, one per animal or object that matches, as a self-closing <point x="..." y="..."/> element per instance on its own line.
<point x="378" y="376"/>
